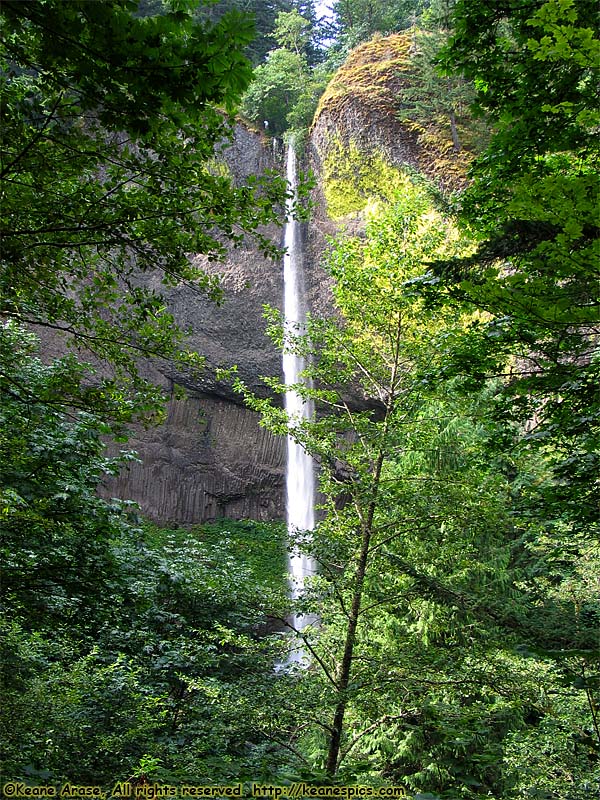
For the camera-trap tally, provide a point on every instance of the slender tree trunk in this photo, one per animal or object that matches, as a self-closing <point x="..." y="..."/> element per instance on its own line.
<point x="345" y="670"/>
<point x="346" y="665"/>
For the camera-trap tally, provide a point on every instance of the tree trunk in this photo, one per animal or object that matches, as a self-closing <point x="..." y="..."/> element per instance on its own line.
<point x="346" y="665"/>
<point x="343" y="677"/>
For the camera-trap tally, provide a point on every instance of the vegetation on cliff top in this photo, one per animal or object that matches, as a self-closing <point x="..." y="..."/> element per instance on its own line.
<point x="371" y="75"/>
<point x="374" y="87"/>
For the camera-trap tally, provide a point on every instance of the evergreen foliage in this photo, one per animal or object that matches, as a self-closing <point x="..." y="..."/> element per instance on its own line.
<point x="433" y="99"/>
<point x="533" y="207"/>
<point x="442" y="635"/>
<point x="356" y="21"/>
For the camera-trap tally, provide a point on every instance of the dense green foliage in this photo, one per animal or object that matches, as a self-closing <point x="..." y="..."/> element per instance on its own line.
<point x="533" y="208"/>
<point x="287" y="86"/>
<point x="457" y="429"/>
<point x="111" y="115"/>
<point x="110" y="122"/>
<point x="122" y="644"/>
<point x="434" y="99"/>
<point x="355" y="21"/>
<point x="452" y="633"/>
<point x="264" y="14"/>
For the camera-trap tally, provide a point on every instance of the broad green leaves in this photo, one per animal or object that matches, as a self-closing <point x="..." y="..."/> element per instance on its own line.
<point x="111" y="122"/>
<point x="121" y="643"/>
<point x="533" y="206"/>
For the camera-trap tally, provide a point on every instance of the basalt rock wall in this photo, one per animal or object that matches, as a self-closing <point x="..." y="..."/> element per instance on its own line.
<point x="211" y="458"/>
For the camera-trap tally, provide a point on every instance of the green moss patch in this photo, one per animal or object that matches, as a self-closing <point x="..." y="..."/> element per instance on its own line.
<point x="373" y="79"/>
<point x="352" y="179"/>
<point x="371" y="76"/>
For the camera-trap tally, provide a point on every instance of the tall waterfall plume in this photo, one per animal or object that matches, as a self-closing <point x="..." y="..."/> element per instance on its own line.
<point x="300" y="478"/>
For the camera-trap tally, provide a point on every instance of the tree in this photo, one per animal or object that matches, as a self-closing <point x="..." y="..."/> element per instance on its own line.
<point x="262" y="13"/>
<point x="275" y="90"/>
<point x="534" y="275"/>
<point x="292" y="31"/>
<point x="54" y="528"/>
<point x="433" y="98"/>
<point x="286" y="88"/>
<point x="111" y="121"/>
<point x="417" y="676"/>
<point x="357" y="20"/>
<point x="532" y="206"/>
<point x="388" y="546"/>
<point x="120" y="642"/>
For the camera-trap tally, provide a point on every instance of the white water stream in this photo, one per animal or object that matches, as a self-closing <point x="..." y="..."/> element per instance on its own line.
<point x="300" y="479"/>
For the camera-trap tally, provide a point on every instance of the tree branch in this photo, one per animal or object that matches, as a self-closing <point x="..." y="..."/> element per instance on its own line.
<point x="35" y="139"/>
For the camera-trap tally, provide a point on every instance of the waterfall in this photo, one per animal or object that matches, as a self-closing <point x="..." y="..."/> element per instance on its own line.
<point x="300" y="479"/>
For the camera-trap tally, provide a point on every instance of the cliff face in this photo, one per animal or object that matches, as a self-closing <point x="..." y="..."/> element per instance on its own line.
<point x="211" y="458"/>
<point x="233" y="332"/>
<point x="360" y="104"/>
<point x="358" y="135"/>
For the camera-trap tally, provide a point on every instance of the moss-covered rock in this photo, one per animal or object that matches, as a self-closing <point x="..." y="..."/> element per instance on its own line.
<point x="352" y="179"/>
<point x="360" y="144"/>
<point x="370" y="76"/>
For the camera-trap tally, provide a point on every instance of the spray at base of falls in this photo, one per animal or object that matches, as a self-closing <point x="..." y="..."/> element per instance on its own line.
<point x="300" y="478"/>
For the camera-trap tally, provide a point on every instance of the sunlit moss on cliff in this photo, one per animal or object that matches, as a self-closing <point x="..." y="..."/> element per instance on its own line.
<point x="353" y="179"/>
<point x="218" y="167"/>
<point x="370" y="76"/>
<point x="369" y="92"/>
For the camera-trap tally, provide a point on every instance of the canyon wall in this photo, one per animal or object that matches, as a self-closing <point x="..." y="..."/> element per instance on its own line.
<point x="211" y="458"/>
